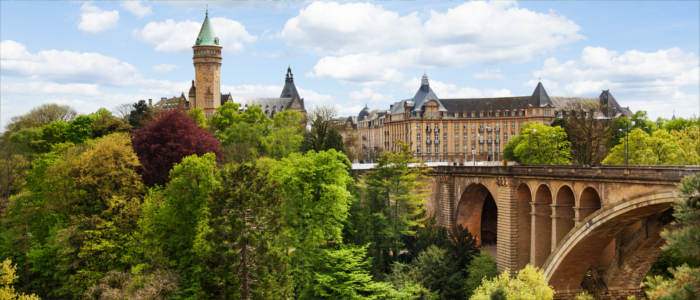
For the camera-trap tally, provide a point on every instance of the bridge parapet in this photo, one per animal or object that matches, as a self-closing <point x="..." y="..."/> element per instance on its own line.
<point x="666" y="174"/>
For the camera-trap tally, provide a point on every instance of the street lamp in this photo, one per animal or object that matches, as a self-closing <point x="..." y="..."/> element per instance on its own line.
<point x="556" y="148"/>
<point x="627" y="144"/>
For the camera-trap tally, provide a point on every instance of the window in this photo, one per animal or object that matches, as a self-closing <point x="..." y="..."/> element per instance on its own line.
<point x="456" y="148"/>
<point x="427" y="149"/>
<point x="418" y="149"/>
<point x="473" y="137"/>
<point x="456" y="138"/>
<point x="481" y="114"/>
<point x="464" y="137"/>
<point x="437" y="149"/>
<point x="418" y="137"/>
<point x="444" y="137"/>
<point x="547" y="112"/>
<point x="444" y="148"/>
<point x="464" y="148"/>
<point x="473" y="126"/>
<point x="464" y="126"/>
<point x="512" y="124"/>
<point x="417" y="126"/>
<point x="456" y="126"/>
<point x="481" y="148"/>
<point x="444" y="126"/>
<point x="505" y="136"/>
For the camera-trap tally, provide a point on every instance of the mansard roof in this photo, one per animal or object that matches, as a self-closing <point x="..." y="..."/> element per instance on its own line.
<point x="485" y="104"/>
<point x="289" y="90"/>
<point x="206" y="35"/>
<point x="424" y="94"/>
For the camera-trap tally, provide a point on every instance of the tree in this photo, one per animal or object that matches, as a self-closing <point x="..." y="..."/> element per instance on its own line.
<point x="530" y="283"/>
<point x="241" y="132"/>
<point x="140" y="114"/>
<point x="42" y="115"/>
<point x="539" y="144"/>
<point x="286" y="134"/>
<point x="481" y="268"/>
<point x="7" y="277"/>
<point x="79" y="130"/>
<point x="165" y="141"/>
<point x="116" y="285"/>
<point x="659" y="148"/>
<point x="197" y="114"/>
<point x="315" y="205"/>
<point x="683" y="237"/>
<point x="435" y="269"/>
<point x="105" y="123"/>
<point x="394" y="200"/>
<point x="168" y="225"/>
<point x="586" y="133"/>
<point x="323" y="134"/>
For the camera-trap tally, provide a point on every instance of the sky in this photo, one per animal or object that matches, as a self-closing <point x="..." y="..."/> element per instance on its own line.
<point x="350" y="54"/>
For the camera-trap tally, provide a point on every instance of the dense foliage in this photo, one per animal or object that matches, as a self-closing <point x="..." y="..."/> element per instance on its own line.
<point x="163" y="204"/>
<point x="165" y="141"/>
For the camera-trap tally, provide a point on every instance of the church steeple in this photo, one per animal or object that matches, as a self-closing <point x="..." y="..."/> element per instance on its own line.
<point x="207" y="69"/>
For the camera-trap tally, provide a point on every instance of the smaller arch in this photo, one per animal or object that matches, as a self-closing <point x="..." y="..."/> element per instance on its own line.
<point x="541" y="225"/>
<point x="563" y="214"/>
<point x="589" y="202"/>
<point x="524" y="198"/>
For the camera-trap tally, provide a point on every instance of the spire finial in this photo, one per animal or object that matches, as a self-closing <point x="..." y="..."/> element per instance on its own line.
<point x="206" y="11"/>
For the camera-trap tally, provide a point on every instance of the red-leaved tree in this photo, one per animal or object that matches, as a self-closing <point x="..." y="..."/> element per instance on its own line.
<point x="165" y="141"/>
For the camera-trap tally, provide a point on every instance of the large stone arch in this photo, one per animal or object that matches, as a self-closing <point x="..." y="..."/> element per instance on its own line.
<point x="583" y="245"/>
<point x="563" y="214"/>
<point x="524" y="198"/>
<point x="541" y="225"/>
<point x="477" y="210"/>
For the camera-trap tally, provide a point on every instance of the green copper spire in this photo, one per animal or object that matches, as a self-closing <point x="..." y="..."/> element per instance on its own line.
<point x="206" y="34"/>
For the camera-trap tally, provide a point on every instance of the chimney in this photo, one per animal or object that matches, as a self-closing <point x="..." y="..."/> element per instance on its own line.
<point x="150" y="102"/>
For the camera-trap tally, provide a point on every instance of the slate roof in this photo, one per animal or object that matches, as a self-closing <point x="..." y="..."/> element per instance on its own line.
<point x="540" y="97"/>
<point x="479" y="104"/>
<point x="289" y="90"/>
<point x="424" y="94"/>
<point x="364" y="113"/>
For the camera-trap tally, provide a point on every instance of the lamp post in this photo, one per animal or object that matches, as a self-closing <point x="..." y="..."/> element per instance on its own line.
<point x="556" y="148"/>
<point x="627" y="143"/>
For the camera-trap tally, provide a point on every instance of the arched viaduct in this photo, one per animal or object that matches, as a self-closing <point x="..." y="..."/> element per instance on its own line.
<point x="596" y="226"/>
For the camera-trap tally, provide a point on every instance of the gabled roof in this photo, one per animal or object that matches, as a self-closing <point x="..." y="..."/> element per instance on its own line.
<point x="289" y="90"/>
<point x="424" y="94"/>
<point x="540" y="97"/>
<point x="206" y="34"/>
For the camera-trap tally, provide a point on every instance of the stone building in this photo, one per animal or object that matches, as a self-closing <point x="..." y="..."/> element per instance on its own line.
<point x="205" y="91"/>
<point x="459" y="130"/>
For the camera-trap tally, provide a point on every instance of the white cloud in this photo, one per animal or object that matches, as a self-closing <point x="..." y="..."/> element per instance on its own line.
<point x="164" y="68"/>
<point x="172" y="36"/>
<point x="94" y="20"/>
<point x="652" y="81"/>
<point x="329" y="27"/>
<point x="379" y="40"/>
<point x="64" y="66"/>
<point x="51" y="88"/>
<point x="492" y="74"/>
<point x="135" y="7"/>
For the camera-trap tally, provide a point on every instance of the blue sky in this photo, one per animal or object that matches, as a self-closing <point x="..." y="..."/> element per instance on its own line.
<point x="348" y="54"/>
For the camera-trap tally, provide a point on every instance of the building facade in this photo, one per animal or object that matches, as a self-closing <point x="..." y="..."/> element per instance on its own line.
<point x="458" y="130"/>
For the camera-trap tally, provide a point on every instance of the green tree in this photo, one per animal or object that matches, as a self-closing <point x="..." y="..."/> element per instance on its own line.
<point x="79" y="130"/>
<point x="659" y="148"/>
<point x="394" y="199"/>
<point x="42" y="115"/>
<point x="7" y="277"/>
<point x="241" y="132"/>
<point x="539" y="144"/>
<point x="481" y="268"/>
<point x="285" y="135"/>
<point x="530" y="283"/>
<point x="315" y="206"/>
<point x="323" y="134"/>
<point x="241" y="240"/>
<point x="197" y="114"/>
<point x="140" y="114"/>
<point x="105" y="123"/>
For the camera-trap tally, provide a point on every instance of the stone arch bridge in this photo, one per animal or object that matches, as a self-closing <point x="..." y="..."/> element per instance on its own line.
<point x="596" y="226"/>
